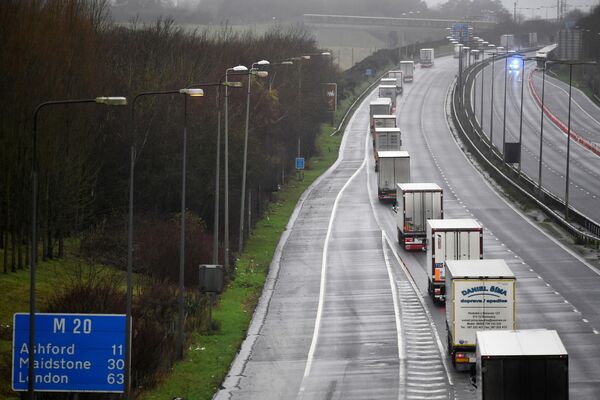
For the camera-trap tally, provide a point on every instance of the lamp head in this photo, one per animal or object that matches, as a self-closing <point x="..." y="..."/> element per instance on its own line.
<point x="232" y="84"/>
<point x="112" y="101"/>
<point x="239" y="68"/>
<point x="326" y="54"/>
<point x="305" y="57"/>
<point x="287" y="62"/>
<point x="262" y="62"/>
<point x="260" y="74"/>
<point x="192" y="92"/>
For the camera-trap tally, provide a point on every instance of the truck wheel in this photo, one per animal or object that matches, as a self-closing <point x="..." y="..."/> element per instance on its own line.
<point x="400" y="238"/>
<point x="430" y="289"/>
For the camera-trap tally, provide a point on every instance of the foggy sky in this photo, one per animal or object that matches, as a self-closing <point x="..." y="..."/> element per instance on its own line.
<point x="540" y="13"/>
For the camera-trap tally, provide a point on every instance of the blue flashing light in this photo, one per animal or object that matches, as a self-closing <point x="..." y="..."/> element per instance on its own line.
<point x="515" y="64"/>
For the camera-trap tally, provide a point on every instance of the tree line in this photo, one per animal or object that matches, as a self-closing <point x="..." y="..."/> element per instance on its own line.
<point x="71" y="49"/>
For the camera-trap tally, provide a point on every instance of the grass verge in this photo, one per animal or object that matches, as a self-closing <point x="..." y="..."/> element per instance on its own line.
<point x="207" y="361"/>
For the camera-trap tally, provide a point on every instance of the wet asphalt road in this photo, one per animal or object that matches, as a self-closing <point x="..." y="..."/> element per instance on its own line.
<point x="345" y="313"/>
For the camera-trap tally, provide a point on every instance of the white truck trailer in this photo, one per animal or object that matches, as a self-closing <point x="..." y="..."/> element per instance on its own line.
<point x="408" y="70"/>
<point x="388" y="92"/>
<point x="394" y="167"/>
<point x="386" y="139"/>
<point x="480" y="296"/>
<point x="393" y="81"/>
<point x="426" y="58"/>
<point x="530" y="364"/>
<point x="507" y="41"/>
<point x="415" y="204"/>
<point x="399" y="76"/>
<point x="379" y="107"/>
<point x="450" y="239"/>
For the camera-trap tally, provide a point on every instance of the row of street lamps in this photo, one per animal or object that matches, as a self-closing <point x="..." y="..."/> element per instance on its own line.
<point x="194" y="90"/>
<point x="507" y="54"/>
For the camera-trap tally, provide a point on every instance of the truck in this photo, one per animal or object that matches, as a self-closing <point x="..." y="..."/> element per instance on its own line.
<point x="408" y="69"/>
<point x="415" y="204"/>
<point x="394" y="167"/>
<point x="531" y="364"/>
<point x="386" y="139"/>
<point x="457" y="50"/>
<point x="395" y="82"/>
<point x="379" y="107"/>
<point x="450" y="239"/>
<point x="389" y="92"/>
<point x="480" y="296"/>
<point x="426" y="58"/>
<point x="507" y="41"/>
<point x="399" y="76"/>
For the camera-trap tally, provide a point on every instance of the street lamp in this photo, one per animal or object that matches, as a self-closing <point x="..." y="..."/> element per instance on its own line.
<point x="504" y="114"/>
<point x="109" y="101"/>
<point x="215" y="255"/>
<point x="541" y="130"/>
<point x="303" y="57"/>
<point x="521" y="115"/>
<point x="493" y="53"/>
<point x="191" y="92"/>
<point x="240" y="69"/>
<point x="570" y="64"/>
<point x="254" y="70"/>
<point x="482" y="79"/>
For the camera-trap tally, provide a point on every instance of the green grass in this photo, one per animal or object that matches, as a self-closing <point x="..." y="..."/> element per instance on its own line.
<point x="199" y="375"/>
<point x="581" y="84"/>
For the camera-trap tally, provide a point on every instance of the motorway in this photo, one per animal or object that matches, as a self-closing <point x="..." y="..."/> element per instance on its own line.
<point x="345" y="312"/>
<point x="584" y="187"/>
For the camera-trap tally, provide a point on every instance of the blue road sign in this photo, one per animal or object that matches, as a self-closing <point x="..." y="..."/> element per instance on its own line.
<point x="299" y="162"/>
<point x="368" y="72"/>
<point x="73" y="353"/>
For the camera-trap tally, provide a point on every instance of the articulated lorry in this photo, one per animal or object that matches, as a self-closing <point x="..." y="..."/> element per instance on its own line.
<point x="394" y="82"/>
<point x="450" y="239"/>
<point x="415" y="204"/>
<point x="530" y="364"/>
<point x="386" y="139"/>
<point x="379" y="107"/>
<point x="388" y="92"/>
<point x="426" y="58"/>
<point x="480" y="296"/>
<point x="394" y="167"/>
<point x="408" y="70"/>
<point x="399" y="76"/>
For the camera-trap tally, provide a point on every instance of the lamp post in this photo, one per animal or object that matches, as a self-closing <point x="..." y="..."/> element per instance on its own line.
<point x="262" y="74"/>
<point x="570" y="64"/>
<point x="493" y="54"/>
<point x="239" y="69"/>
<point x="215" y="254"/>
<point x="133" y="156"/>
<point x="521" y="116"/>
<point x="482" y="71"/>
<point x="303" y="57"/>
<point x="109" y="101"/>
<point x="504" y="113"/>
<point x="541" y="130"/>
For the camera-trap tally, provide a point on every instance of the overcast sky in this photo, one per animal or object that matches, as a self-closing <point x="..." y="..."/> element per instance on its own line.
<point x="509" y="4"/>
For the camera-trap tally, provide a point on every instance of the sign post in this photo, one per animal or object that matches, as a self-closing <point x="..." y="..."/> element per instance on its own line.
<point x="300" y="167"/>
<point x="330" y="95"/>
<point x="73" y="353"/>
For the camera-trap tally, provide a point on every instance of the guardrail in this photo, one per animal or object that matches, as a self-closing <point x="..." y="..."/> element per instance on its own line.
<point x="471" y="132"/>
<point x="352" y="107"/>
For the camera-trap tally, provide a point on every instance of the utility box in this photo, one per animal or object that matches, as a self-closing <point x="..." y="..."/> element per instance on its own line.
<point x="530" y="364"/>
<point x="211" y="278"/>
<point x="480" y="296"/>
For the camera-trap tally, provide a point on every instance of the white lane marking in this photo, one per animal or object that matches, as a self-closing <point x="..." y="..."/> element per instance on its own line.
<point x="427" y="313"/>
<point x="406" y="272"/>
<point x="313" y="344"/>
<point x="401" y="354"/>
<point x="523" y="216"/>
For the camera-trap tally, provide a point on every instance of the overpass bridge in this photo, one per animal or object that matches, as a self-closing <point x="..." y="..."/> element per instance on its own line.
<point x="387" y="23"/>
